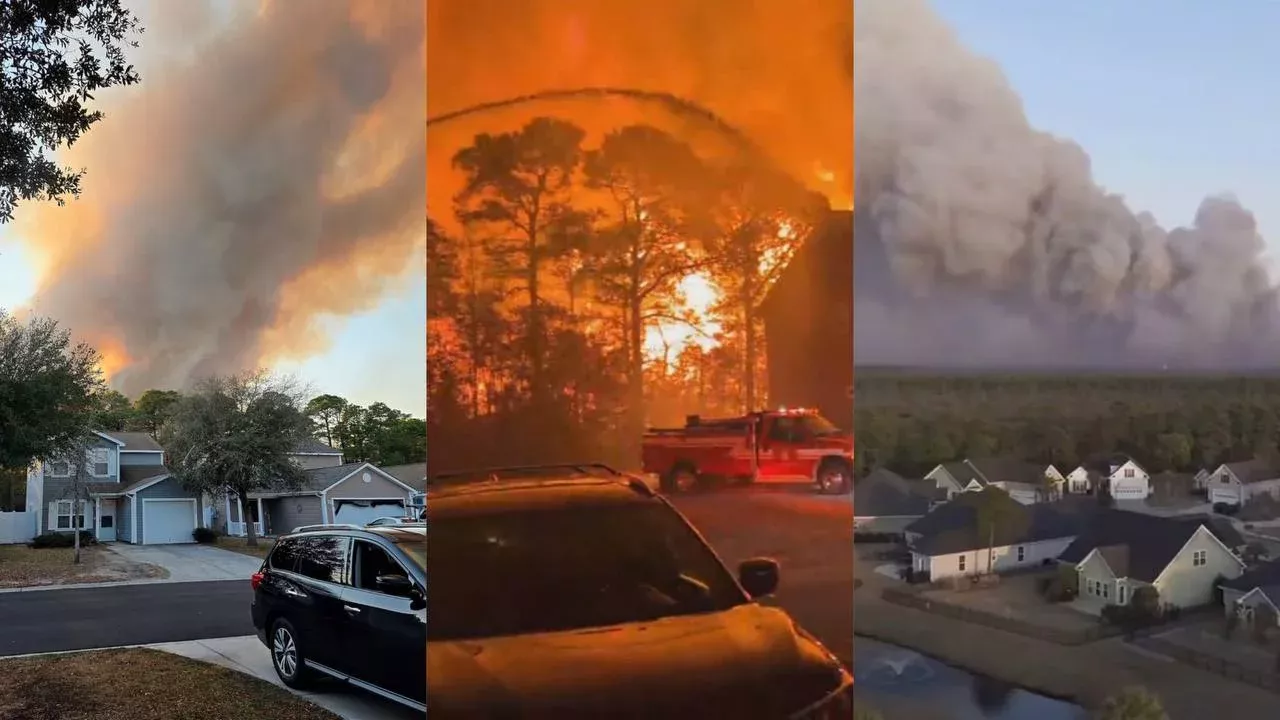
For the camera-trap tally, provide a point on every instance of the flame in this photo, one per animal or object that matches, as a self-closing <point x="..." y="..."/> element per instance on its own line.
<point x="113" y="356"/>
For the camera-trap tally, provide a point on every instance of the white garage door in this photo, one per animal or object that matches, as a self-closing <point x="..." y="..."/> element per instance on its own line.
<point x="363" y="512"/>
<point x="166" y="522"/>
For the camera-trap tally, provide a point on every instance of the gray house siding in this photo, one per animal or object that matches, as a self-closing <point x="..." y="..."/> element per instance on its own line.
<point x="141" y="458"/>
<point x="377" y="487"/>
<point x="59" y="488"/>
<point x="311" y="462"/>
<point x="124" y="519"/>
<point x="285" y="514"/>
<point x="169" y="488"/>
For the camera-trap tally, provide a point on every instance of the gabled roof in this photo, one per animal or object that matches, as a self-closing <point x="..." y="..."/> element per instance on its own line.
<point x="312" y="446"/>
<point x="134" y="441"/>
<point x="317" y="480"/>
<point x="414" y="474"/>
<point x="884" y="493"/>
<point x="1149" y="542"/>
<point x="962" y="471"/>
<point x="954" y="526"/>
<point x="1006" y="469"/>
<point x="1252" y="471"/>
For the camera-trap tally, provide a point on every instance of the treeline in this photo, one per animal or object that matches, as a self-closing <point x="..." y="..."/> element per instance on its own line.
<point x="912" y="421"/>
<point x="378" y="433"/>
<point x="577" y="291"/>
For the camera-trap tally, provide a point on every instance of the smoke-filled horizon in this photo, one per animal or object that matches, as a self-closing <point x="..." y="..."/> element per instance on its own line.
<point x="265" y="177"/>
<point x="982" y="241"/>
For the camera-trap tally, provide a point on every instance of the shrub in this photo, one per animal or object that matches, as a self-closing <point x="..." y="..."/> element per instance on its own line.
<point x="1146" y="605"/>
<point x="1264" y="618"/>
<point x="1133" y="703"/>
<point x="61" y="540"/>
<point x="204" y="536"/>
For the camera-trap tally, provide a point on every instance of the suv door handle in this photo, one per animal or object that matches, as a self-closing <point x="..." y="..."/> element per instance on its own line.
<point x="351" y="610"/>
<point x="293" y="592"/>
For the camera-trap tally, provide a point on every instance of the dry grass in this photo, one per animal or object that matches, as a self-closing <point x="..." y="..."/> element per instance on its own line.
<point x="22" y="566"/>
<point x="240" y="545"/>
<point x="140" y="684"/>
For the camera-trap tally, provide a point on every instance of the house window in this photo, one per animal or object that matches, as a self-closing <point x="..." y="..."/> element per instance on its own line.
<point x="59" y="468"/>
<point x="1106" y="590"/>
<point x="61" y="511"/>
<point x="1200" y="558"/>
<point x="1225" y="479"/>
<point x="97" y="459"/>
<point x="1128" y="472"/>
<point x="1120" y="594"/>
<point x="1022" y="553"/>
<point x="961" y="565"/>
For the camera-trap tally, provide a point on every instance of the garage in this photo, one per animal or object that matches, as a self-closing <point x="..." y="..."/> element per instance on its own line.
<point x="362" y="511"/>
<point x="169" y="521"/>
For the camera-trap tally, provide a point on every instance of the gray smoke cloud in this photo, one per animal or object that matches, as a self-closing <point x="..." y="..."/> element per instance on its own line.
<point x="226" y="207"/>
<point x="982" y="241"/>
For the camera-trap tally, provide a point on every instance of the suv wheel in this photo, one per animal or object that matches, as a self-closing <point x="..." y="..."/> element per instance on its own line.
<point x="834" y="478"/>
<point x="286" y="657"/>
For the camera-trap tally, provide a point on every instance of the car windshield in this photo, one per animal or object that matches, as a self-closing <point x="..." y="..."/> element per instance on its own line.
<point x="569" y="568"/>
<point x="818" y="426"/>
<point x="416" y="550"/>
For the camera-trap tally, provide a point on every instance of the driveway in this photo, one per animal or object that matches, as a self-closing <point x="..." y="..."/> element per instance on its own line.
<point x="248" y="655"/>
<point x="191" y="563"/>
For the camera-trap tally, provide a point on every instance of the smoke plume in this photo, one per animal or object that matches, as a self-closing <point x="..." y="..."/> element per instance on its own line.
<point x="267" y="175"/>
<point x="777" y="71"/>
<point x="982" y="241"/>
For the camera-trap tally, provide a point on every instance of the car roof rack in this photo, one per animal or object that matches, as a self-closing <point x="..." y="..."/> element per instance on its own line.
<point x="330" y="526"/>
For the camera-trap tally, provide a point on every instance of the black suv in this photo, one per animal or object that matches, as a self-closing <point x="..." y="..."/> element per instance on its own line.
<point x="582" y="593"/>
<point x="348" y="603"/>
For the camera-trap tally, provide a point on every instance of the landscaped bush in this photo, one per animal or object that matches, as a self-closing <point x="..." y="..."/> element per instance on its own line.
<point x="204" y="536"/>
<point x="1260" y="507"/>
<point x="1062" y="586"/>
<point x="61" y="540"/>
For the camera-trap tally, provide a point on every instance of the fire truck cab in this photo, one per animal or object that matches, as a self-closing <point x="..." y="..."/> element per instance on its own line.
<point x="787" y="445"/>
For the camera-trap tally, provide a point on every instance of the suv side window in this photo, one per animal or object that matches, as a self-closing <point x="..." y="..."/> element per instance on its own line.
<point x="372" y="561"/>
<point x="781" y="429"/>
<point x="323" y="557"/>
<point x="285" y="555"/>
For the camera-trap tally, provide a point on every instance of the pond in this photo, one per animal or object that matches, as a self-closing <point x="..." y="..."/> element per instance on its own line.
<point x="901" y="683"/>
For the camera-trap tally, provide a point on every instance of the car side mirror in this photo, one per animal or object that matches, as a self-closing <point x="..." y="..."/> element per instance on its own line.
<point x="417" y="598"/>
<point x="758" y="576"/>
<point x="393" y="584"/>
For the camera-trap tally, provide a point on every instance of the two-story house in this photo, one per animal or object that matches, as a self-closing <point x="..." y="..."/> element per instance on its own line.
<point x="1119" y="474"/>
<point x="332" y="491"/>
<point x="125" y="493"/>
<point x="1237" y="482"/>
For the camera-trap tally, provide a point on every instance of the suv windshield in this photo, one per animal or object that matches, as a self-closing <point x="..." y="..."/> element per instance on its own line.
<point x="569" y="568"/>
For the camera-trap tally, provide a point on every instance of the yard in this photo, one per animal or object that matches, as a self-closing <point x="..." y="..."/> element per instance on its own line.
<point x="1016" y="598"/>
<point x="22" y="566"/>
<point x="241" y="545"/>
<point x="154" y="686"/>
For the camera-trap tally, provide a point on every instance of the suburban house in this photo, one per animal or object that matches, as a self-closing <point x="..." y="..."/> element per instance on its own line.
<point x="1023" y="481"/>
<point x="1202" y="479"/>
<point x="128" y="495"/>
<point x="1119" y="551"/>
<point x="886" y="502"/>
<point x="1055" y="479"/>
<point x="1124" y="477"/>
<point x="415" y="476"/>
<point x="1234" y="483"/>
<point x="951" y="540"/>
<point x="1257" y="587"/>
<point x="333" y="491"/>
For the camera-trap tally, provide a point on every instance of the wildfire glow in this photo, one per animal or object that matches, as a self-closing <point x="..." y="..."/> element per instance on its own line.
<point x="114" y="358"/>
<point x="671" y="337"/>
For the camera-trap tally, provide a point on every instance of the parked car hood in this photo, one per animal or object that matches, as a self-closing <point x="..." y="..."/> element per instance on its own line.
<point x="744" y="663"/>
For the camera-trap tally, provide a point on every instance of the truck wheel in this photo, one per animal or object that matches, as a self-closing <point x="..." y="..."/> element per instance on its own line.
<point x="681" y="479"/>
<point x="834" y="478"/>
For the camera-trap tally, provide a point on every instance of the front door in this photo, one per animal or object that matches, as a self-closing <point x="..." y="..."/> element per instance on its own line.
<point x="107" y="520"/>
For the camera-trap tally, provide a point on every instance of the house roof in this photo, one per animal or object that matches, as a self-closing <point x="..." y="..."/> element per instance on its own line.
<point x="135" y="441"/>
<point x="954" y="526"/>
<point x="1149" y="542"/>
<point x="963" y="472"/>
<point x="1006" y="469"/>
<point x="1252" y="471"/>
<point x="132" y="477"/>
<point x="885" y="493"/>
<point x="1264" y="575"/>
<point x="414" y="475"/>
<point x="312" y="446"/>
<point x="1102" y="464"/>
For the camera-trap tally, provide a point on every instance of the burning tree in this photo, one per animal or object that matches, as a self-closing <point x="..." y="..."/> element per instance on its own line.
<point x="236" y="435"/>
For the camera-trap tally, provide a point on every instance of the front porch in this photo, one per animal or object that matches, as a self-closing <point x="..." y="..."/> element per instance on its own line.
<point x="236" y="516"/>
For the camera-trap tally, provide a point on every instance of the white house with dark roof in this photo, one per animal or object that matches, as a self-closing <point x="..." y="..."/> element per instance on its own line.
<point x="1119" y="552"/>
<point x="886" y="502"/>
<point x="1120" y="474"/>
<point x="1023" y="481"/>
<point x="1242" y="596"/>
<point x="1234" y="483"/>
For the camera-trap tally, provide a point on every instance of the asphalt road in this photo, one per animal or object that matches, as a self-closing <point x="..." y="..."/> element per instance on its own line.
<point x="811" y="536"/>
<point x="84" y="618"/>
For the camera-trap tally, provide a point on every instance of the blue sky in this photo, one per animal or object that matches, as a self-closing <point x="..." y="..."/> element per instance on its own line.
<point x="372" y="357"/>
<point x="1172" y="99"/>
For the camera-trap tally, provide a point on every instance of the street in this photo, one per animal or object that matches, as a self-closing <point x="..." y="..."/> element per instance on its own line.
<point x="812" y="536"/>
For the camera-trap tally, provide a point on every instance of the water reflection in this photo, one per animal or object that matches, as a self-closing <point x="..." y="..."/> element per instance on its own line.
<point x="901" y="683"/>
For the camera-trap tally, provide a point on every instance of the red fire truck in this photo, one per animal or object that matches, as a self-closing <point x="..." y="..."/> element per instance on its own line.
<point x="772" y="446"/>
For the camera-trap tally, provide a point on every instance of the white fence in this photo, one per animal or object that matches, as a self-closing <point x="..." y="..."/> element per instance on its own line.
<point x="239" y="529"/>
<point x="17" y="527"/>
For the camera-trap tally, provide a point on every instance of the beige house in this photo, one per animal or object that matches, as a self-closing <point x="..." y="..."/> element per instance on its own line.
<point x="1119" y="552"/>
<point x="1235" y="483"/>
<point x="1243" y="596"/>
